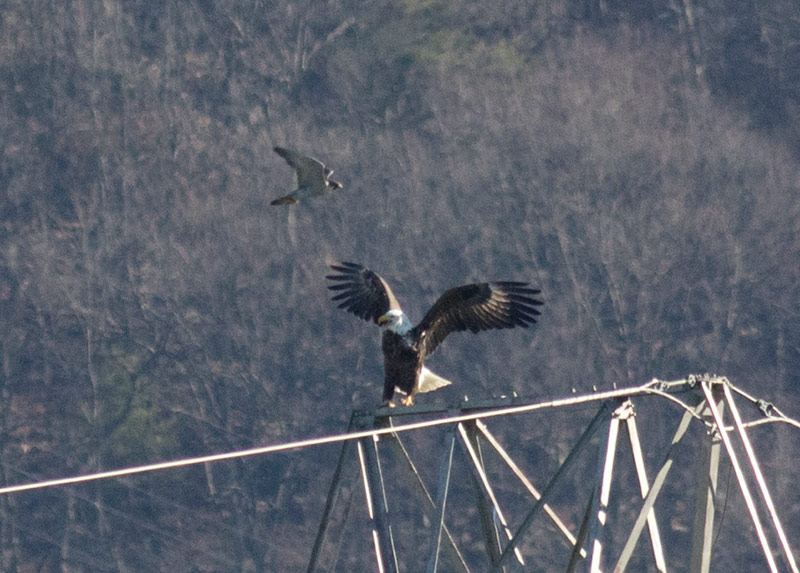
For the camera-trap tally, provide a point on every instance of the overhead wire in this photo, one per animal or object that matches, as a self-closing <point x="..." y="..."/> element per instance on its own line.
<point x="619" y="393"/>
<point x="655" y="387"/>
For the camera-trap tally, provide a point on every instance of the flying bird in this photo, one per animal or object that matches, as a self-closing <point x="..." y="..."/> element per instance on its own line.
<point x="474" y="307"/>
<point x="312" y="177"/>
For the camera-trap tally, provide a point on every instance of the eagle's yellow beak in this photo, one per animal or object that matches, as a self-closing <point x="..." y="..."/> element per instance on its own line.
<point x="383" y="319"/>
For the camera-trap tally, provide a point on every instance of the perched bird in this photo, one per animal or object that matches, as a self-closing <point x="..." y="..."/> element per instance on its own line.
<point x="474" y="307"/>
<point x="312" y="177"/>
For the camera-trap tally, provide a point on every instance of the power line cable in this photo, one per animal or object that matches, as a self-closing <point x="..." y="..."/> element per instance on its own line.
<point x="656" y="387"/>
<point x="324" y="440"/>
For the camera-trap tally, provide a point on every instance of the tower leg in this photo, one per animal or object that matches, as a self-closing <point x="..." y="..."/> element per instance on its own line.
<point x="376" y="504"/>
<point x="708" y="472"/>
<point x="333" y="495"/>
<point x="605" y="471"/>
<point x="441" y="500"/>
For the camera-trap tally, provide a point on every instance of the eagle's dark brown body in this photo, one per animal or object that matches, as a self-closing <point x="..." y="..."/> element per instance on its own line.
<point x="402" y="363"/>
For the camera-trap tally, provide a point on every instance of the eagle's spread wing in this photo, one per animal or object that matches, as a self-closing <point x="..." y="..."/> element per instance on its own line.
<point x="310" y="172"/>
<point x="477" y="307"/>
<point x="363" y="292"/>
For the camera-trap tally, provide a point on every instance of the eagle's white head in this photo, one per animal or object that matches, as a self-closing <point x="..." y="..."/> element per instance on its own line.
<point x="395" y="321"/>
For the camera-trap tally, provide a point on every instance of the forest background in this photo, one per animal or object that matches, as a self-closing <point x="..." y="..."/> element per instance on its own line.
<point x="637" y="161"/>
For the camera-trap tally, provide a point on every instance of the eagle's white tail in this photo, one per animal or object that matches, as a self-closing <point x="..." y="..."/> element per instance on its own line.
<point x="429" y="381"/>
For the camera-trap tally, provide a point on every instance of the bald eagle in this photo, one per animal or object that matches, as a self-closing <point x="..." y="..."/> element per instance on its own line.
<point x="474" y="307"/>
<point x="312" y="177"/>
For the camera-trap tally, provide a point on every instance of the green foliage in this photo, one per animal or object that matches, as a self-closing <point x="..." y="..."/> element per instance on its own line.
<point x="146" y="435"/>
<point x="112" y="399"/>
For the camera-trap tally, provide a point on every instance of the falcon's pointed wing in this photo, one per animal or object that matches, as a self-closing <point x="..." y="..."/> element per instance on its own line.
<point x="476" y="307"/>
<point x="362" y="292"/>
<point x="310" y="172"/>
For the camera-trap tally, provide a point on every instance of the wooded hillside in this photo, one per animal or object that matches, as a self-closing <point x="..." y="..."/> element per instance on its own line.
<point x="637" y="162"/>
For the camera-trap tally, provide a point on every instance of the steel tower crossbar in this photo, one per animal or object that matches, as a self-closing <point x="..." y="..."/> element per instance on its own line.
<point x="507" y="535"/>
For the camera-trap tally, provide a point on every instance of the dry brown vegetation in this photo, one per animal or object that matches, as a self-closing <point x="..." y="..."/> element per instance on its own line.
<point x="154" y="305"/>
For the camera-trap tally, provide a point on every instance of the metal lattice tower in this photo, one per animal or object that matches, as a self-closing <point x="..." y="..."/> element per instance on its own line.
<point x="706" y="400"/>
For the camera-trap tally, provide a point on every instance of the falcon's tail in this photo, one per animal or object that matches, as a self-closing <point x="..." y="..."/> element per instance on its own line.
<point x="288" y="200"/>
<point x="428" y="381"/>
